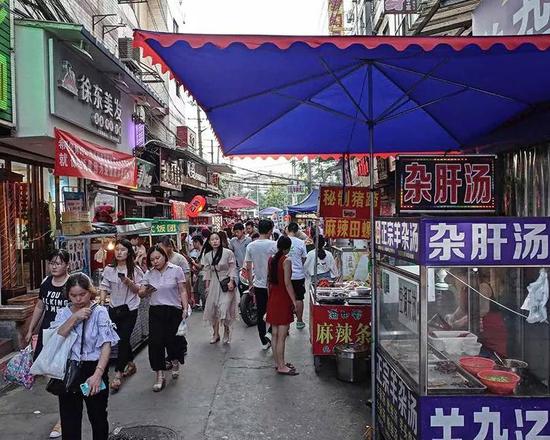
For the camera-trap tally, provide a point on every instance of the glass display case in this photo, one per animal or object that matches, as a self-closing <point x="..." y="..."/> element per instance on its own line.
<point x="462" y="326"/>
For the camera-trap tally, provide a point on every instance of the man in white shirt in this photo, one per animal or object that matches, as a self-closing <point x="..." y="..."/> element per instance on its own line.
<point x="298" y="254"/>
<point x="256" y="259"/>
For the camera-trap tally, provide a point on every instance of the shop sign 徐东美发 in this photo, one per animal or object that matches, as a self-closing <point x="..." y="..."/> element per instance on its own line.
<point x="398" y="237"/>
<point x="396" y="404"/>
<point x="486" y="241"/>
<point x="511" y="17"/>
<point x="83" y="95"/>
<point x="459" y="183"/>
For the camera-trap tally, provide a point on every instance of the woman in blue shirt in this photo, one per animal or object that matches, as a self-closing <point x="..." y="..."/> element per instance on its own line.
<point x="93" y="350"/>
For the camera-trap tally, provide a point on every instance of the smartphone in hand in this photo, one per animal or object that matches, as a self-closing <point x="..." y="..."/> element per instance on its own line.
<point x="85" y="388"/>
<point x="121" y="276"/>
<point x="149" y="288"/>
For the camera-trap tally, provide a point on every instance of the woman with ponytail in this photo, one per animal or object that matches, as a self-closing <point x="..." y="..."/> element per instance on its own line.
<point x="281" y="303"/>
<point x="326" y="265"/>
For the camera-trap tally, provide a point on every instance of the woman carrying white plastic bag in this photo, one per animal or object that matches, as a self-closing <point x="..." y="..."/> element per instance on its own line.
<point x="52" y="360"/>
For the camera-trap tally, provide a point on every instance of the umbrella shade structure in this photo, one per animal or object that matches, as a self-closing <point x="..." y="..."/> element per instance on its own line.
<point x="309" y="204"/>
<point x="237" y="203"/>
<point x="322" y="96"/>
<point x="270" y="211"/>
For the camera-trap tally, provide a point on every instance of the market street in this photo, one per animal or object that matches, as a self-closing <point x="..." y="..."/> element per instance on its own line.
<point x="225" y="393"/>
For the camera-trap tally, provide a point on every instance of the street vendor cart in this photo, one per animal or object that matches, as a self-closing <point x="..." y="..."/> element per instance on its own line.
<point x="463" y="341"/>
<point x="340" y="312"/>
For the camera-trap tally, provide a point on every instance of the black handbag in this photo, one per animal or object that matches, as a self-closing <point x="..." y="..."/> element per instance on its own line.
<point x="69" y="384"/>
<point x="120" y="312"/>
<point x="224" y="284"/>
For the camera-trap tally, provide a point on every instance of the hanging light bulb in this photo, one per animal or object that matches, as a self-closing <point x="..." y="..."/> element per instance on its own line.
<point x="440" y="284"/>
<point x="111" y="245"/>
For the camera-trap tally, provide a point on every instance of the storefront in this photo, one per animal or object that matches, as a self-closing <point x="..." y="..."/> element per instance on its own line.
<point x="66" y="80"/>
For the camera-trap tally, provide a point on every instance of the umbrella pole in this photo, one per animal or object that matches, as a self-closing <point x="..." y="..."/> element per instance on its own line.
<point x="373" y="292"/>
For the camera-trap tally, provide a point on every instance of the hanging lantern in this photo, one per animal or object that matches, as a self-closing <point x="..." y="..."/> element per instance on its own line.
<point x="195" y="206"/>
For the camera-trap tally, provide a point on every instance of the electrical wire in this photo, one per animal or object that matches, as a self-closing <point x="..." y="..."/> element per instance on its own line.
<point x="489" y="298"/>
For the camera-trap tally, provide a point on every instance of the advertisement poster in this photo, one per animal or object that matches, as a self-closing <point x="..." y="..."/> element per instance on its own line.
<point x="76" y="157"/>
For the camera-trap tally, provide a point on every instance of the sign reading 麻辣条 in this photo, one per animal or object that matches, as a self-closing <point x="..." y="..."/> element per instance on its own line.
<point x="347" y="211"/>
<point x="396" y="404"/>
<point x="84" y="96"/>
<point x="427" y="184"/>
<point x="401" y="6"/>
<point x="399" y="237"/>
<point x="6" y="100"/>
<point x="486" y="241"/>
<point x="76" y="157"/>
<point x="484" y="417"/>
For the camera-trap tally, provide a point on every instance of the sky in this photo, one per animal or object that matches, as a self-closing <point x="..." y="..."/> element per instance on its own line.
<point x="266" y="17"/>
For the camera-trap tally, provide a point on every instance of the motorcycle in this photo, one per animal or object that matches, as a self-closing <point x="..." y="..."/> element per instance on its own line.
<point x="247" y="304"/>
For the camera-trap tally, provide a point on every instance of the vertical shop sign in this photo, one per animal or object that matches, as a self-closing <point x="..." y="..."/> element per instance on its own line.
<point x="408" y="304"/>
<point x="145" y="174"/>
<point x="486" y="241"/>
<point x="172" y="174"/>
<point x="178" y="210"/>
<point x="484" y="417"/>
<point x="396" y="404"/>
<point x="336" y="17"/>
<point x="401" y="6"/>
<point x="445" y="183"/>
<point x="340" y="325"/>
<point x="6" y="113"/>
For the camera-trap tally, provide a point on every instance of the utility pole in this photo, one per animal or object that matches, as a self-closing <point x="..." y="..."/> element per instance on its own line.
<point x="309" y="183"/>
<point x="199" y="131"/>
<point x="211" y="151"/>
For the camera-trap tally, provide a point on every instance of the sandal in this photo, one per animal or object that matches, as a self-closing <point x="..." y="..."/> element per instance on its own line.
<point x="56" y="431"/>
<point x="214" y="340"/>
<point x="289" y="365"/>
<point x="290" y="372"/>
<point x="115" y="384"/>
<point x="175" y="371"/>
<point x="130" y="369"/>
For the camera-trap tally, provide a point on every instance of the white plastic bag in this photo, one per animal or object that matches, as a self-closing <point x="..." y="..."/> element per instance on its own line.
<point x="52" y="360"/>
<point x="537" y="298"/>
<point x="182" y="329"/>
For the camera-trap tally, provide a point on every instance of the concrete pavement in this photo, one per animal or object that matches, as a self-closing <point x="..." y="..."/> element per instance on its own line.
<point x="225" y="393"/>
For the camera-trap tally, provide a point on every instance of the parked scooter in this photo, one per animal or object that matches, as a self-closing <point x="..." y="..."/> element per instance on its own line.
<point x="247" y="304"/>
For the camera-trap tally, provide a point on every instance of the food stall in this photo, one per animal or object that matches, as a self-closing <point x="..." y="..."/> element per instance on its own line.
<point x="462" y="341"/>
<point x="340" y="312"/>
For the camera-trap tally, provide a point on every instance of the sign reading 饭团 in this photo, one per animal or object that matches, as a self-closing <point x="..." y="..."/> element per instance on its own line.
<point x="485" y="241"/>
<point x="428" y="184"/>
<point x="347" y="211"/>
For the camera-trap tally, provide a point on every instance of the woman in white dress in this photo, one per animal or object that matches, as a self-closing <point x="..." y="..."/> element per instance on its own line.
<point x="221" y="277"/>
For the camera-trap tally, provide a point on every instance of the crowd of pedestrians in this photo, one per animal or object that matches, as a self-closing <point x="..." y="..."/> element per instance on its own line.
<point x="204" y="276"/>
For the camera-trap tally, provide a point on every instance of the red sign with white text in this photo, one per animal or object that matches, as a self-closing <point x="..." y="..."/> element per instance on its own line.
<point x="458" y="183"/>
<point x="76" y="157"/>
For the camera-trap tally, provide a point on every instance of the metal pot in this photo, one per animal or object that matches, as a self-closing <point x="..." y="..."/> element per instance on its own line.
<point x="515" y="366"/>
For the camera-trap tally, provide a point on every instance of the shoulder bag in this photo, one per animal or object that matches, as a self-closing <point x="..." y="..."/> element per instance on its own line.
<point x="69" y="384"/>
<point x="224" y="284"/>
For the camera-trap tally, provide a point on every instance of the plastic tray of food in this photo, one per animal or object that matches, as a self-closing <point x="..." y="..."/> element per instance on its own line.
<point x="451" y="341"/>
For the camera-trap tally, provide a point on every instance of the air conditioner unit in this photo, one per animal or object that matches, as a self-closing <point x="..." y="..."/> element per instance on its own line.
<point x="127" y="53"/>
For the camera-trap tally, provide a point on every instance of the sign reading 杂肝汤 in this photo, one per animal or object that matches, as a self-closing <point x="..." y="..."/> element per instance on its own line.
<point x="485" y="241"/>
<point x="445" y="183"/>
<point x="76" y="157"/>
<point x="346" y="211"/>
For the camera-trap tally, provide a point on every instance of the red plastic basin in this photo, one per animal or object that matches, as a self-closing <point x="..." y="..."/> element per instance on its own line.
<point x="506" y="385"/>
<point x="475" y="364"/>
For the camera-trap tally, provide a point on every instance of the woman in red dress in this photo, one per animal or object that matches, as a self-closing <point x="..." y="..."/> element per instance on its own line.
<point x="281" y="303"/>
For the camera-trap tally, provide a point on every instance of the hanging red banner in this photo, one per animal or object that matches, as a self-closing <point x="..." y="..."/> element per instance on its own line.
<point x="76" y="157"/>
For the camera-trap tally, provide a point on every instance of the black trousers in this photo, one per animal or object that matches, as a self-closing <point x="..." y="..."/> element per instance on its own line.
<point x="163" y="325"/>
<point x="124" y="328"/>
<point x="71" y="405"/>
<point x="261" y="306"/>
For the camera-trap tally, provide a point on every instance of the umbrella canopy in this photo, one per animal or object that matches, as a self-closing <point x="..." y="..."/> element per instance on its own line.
<point x="275" y="95"/>
<point x="270" y="211"/>
<point x="237" y="203"/>
<point x="309" y="204"/>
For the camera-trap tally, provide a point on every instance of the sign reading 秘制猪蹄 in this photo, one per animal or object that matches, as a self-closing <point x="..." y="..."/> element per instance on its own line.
<point x="445" y="183"/>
